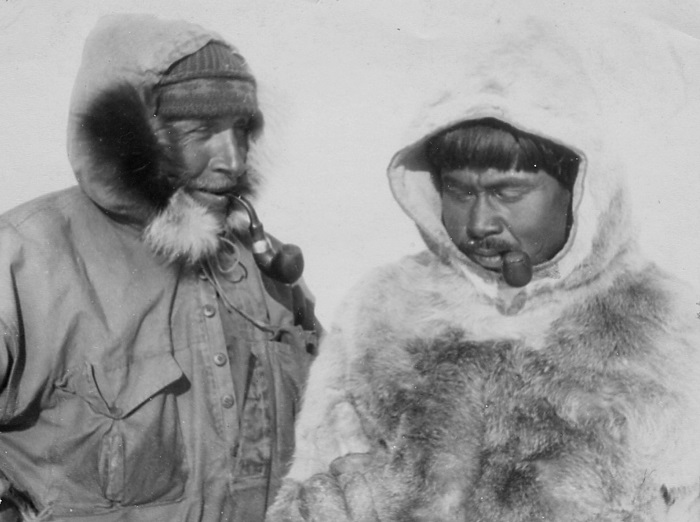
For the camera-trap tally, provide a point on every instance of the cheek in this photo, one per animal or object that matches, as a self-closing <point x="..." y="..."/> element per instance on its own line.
<point x="542" y="229"/>
<point x="195" y="159"/>
<point x="454" y="218"/>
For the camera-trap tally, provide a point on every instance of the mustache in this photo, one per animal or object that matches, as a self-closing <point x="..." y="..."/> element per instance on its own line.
<point x="241" y="185"/>
<point x="488" y="243"/>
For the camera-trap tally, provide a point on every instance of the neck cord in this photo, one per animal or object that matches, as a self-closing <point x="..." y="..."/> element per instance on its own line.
<point x="211" y="275"/>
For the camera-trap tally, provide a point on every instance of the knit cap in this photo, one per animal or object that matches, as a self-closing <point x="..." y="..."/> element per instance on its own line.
<point x="213" y="81"/>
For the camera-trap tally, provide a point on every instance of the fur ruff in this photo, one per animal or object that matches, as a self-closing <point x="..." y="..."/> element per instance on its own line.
<point x="135" y="158"/>
<point x="145" y="163"/>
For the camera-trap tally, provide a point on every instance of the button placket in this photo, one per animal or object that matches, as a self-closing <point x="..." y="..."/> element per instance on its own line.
<point x="209" y="311"/>
<point x="222" y="387"/>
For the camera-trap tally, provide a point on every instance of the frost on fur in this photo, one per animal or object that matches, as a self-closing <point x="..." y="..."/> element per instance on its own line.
<point x="183" y="230"/>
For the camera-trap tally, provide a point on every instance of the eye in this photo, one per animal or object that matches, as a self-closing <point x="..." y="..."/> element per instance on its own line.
<point x="242" y="123"/>
<point x="202" y="130"/>
<point x="243" y="127"/>
<point x="458" y="192"/>
<point x="508" y="194"/>
<point x="193" y="132"/>
<point x="241" y="134"/>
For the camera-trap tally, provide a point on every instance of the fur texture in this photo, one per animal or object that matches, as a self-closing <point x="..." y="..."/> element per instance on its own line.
<point x="498" y="431"/>
<point x="135" y="157"/>
<point x="574" y="398"/>
<point x="139" y="152"/>
<point x="588" y="422"/>
<point x="183" y="230"/>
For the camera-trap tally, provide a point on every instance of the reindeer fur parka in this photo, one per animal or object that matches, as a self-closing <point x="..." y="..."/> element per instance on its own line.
<point x="575" y="398"/>
<point x="117" y="395"/>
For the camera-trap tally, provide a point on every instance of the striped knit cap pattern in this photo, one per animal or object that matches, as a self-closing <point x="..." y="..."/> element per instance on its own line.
<point x="214" y="81"/>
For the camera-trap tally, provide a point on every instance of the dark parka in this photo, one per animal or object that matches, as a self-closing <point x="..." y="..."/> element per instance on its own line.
<point x="117" y="400"/>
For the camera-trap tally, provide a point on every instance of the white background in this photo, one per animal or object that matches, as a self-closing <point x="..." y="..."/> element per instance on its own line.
<point x="342" y="79"/>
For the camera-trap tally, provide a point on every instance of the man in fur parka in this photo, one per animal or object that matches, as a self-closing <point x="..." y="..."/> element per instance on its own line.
<point x="149" y="369"/>
<point x="460" y="384"/>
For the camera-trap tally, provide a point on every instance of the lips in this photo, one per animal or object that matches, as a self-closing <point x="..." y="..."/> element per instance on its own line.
<point x="492" y="261"/>
<point x="487" y="255"/>
<point x="219" y="190"/>
<point x="217" y="199"/>
<point x="481" y="252"/>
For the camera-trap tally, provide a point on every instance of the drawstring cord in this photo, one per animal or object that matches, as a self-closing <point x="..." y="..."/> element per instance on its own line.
<point x="232" y="250"/>
<point x="229" y="249"/>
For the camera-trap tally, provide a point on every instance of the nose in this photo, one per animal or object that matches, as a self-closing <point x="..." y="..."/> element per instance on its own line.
<point x="227" y="153"/>
<point x="483" y="220"/>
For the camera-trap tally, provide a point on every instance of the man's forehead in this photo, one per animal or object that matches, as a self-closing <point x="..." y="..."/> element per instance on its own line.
<point x="484" y="176"/>
<point x="232" y="117"/>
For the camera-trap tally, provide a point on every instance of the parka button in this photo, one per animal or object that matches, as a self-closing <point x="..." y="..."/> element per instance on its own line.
<point x="209" y="311"/>
<point x="219" y="359"/>
<point x="227" y="401"/>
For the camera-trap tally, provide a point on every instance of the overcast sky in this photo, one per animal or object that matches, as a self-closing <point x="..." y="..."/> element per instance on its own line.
<point x="343" y="80"/>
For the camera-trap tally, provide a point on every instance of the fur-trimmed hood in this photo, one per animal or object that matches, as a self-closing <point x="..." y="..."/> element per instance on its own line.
<point x="122" y="155"/>
<point x="529" y="72"/>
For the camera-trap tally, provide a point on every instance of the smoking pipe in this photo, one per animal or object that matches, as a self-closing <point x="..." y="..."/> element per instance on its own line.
<point x="285" y="264"/>
<point x="517" y="268"/>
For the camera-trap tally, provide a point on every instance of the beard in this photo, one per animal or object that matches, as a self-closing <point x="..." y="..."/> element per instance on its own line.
<point x="185" y="230"/>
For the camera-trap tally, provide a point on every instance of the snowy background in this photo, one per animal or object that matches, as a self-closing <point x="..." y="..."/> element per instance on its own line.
<point x="342" y="80"/>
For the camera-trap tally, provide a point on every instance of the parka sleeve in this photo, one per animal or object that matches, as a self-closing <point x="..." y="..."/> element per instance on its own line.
<point x="328" y="426"/>
<point x="341" y="469"/>
<point x="10" y="324"/>
<point x="328" y="429"/>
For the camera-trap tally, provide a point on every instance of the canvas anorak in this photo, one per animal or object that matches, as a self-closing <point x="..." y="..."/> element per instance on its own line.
<point x="120" y="395"/>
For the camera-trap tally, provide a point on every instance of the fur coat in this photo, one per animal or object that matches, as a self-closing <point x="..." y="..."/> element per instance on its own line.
<point x="575" y="398"/>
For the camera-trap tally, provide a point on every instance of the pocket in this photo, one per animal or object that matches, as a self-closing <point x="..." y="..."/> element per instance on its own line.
<point x="291" y="352"/>
<point x="289" y="364"/>
<point x="256" y="436"/>
<point x="127" y="446"/>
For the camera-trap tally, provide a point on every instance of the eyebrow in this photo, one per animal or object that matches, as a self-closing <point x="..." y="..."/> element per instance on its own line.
<point x="492" y="184"/>
<point x="511" y="182"/>
<point x="187" y="123"/>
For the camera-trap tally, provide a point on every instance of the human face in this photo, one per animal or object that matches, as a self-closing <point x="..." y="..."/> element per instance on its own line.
<point x="488" y="212"/>
<point x="214" y="153"/>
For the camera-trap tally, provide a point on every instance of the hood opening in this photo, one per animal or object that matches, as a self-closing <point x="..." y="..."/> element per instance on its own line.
<point x="416" y="188"/>
<point x="126" y="156"/>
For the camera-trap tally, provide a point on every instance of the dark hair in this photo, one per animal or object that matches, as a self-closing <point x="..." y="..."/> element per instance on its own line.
<point x="491" y="143"/>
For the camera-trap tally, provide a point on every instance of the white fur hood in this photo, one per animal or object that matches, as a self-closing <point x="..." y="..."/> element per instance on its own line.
<point x="555" y="79"/>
